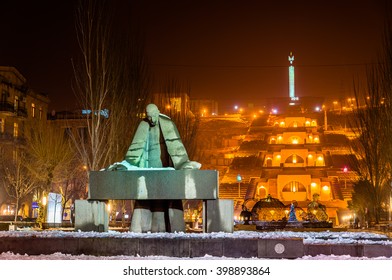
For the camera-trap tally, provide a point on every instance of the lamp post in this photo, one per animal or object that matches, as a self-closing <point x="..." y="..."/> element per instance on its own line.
<point x="239" y="179"/>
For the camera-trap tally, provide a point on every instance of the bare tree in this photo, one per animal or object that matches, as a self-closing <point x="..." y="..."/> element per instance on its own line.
<point x="17" y="180"/>
<point x="112" y="83"/>
<point x="50" y="153"/>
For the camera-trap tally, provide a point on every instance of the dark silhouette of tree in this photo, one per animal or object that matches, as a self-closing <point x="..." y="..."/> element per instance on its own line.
<point x="363" y="201"/>
<point x="372" y="124"/>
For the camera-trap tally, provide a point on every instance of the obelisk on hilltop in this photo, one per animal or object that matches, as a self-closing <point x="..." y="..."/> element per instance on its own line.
<point x="291" y="78"/>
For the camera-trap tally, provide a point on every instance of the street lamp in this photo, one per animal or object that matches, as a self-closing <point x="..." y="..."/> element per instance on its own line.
<point x="239" y="179"/>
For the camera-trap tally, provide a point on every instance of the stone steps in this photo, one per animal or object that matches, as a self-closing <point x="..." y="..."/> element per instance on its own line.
<point x="188" y="247"/>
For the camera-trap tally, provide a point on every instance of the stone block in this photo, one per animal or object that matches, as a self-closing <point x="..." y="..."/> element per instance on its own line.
<point x="123" y="246"/>
<point x="91" y="216"/>
<point x="281" y="248"/>
<point x="202" y="247"/>
<point x="377" y="250"/>
<point x="218" y="215"/>
<point x="317" y="249"/>
<point x="164" y="247"/>
<point x="154" y="184"/>
<point x="236" y="248"/>
<point x="354" y="250"/>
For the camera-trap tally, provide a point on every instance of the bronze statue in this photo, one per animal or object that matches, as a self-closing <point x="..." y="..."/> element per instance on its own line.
<point x="157" y="144"/>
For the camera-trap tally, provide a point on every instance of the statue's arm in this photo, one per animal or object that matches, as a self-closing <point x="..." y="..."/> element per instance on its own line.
<point x="136" y="149"/>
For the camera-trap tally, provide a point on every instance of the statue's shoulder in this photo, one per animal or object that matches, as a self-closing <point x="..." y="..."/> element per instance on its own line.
<point x="143" y="125"/>
<point x="164" y="117"/>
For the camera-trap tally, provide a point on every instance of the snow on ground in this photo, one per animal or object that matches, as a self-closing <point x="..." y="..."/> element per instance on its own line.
<point x="323" y="237"/>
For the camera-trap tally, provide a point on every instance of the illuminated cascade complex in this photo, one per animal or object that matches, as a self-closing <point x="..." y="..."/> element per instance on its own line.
<point x="291" y="78"/>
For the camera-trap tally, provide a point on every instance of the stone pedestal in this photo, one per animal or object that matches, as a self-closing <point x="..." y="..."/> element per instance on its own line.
<point x="91" y="216"/>
<point x="218" y="215"/>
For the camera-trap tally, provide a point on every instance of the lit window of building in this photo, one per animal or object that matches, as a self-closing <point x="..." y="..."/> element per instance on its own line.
<point x="2" y="125"/>
<point x="294" y="141"/>
<point x="40" y="113"/>
<point x="33" y="110"/>
<point x="16" y="130"/>
<point x="16" y="103"/>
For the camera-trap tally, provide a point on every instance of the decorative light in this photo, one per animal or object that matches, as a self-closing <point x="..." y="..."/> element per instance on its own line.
<point x="44" y="200"/>
<point x="320" y="158"/>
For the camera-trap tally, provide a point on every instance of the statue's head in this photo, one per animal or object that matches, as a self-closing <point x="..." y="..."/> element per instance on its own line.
<point x="152" y="112"/>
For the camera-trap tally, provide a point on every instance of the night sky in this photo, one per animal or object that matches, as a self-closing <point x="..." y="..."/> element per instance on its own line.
<point x="235" y="50"/>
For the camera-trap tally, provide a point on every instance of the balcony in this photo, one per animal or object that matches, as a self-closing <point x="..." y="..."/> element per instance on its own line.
<point x="7" y="108"/>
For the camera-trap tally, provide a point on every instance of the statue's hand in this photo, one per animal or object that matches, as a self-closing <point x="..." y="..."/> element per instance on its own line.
<point x="190" y="165"/>
<point x="116" y="167"/>
<point x="120" y="166"/>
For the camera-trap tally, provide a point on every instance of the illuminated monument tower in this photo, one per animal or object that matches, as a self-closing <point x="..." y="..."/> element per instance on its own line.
<point x="291" y="78"/>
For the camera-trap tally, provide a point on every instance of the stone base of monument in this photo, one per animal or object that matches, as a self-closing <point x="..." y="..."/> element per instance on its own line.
<point x="218" y="215"/>
<point x="91" y="216"/>
<point x="185" y="247"/>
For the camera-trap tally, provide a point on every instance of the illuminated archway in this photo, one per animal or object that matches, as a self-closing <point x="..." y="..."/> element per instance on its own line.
<point x="294" y="186"/>
<point x="294" y="159"/>
<point x="262" y="192"/>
